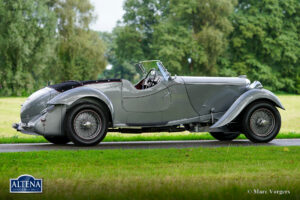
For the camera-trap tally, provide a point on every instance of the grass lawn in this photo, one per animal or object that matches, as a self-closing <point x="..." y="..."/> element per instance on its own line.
<point x="10" y="109"/>
<point x="210" y="173"/>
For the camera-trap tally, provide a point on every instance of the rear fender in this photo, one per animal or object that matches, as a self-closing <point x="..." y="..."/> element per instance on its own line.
<point x="243" y="101"/>
<point x="69" y="97"/>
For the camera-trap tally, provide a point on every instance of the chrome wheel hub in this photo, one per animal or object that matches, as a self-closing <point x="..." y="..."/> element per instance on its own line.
<point x="87" y="124"/>
<point x="262" y="122"/>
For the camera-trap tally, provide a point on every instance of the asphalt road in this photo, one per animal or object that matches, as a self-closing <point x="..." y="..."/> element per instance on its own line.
<point x="143" y="145"/>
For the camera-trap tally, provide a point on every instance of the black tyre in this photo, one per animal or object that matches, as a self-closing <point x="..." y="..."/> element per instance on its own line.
<point x="57" y="139"/>
<point x="86" y="124"/>
<point x="224" y="136"/>
<point x="261" y="122"/>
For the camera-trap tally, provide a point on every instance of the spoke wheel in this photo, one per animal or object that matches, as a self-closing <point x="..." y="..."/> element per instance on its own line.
<point x="86" y="124"/>
<point x="261" y="122"/>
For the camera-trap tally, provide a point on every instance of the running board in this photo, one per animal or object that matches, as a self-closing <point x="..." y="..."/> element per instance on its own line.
<point x="147" y="130"/>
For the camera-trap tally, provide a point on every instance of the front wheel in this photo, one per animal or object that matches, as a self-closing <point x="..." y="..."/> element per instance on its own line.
<point x="86" y="124"/>
<point x="222" y="136"/>
<point x="261" y="122"/>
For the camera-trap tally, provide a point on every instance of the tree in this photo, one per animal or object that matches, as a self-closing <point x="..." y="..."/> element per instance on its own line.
<point x="123" y="50"/>
<point x="216" y="37"/>
<point x="210" y="25"/>
<point x="27" y="41"/>
<point x="80" y="50"/>
<point x="188" y="36"/>
<point x="143" y="16"/>
<point x="47" y="40"/>
<point x="175" y="45"/>
<point x="265" y="43"/>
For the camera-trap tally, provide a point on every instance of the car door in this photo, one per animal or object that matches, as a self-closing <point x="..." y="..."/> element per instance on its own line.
<point x="145" y="107"/>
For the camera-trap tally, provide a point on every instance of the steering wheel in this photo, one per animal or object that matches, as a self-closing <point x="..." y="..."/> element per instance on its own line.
<point x="150" y="78"/>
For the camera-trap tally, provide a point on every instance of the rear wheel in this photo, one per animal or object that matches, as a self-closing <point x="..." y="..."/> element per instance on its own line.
<point x="86" y="124"/>
<point x="261" y="122"/>
<point x="57" y="139"/>
<point x="223" y="136"/>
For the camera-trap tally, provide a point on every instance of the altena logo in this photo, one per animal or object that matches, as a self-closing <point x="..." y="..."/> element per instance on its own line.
<point x="26" y="184"/>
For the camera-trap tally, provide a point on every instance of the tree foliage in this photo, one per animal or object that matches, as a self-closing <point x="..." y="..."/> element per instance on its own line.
<point x="27" y="42"/>
<point x="50" y="40"/>
<point x="214" y="37"/>
<point x="265" y="43"/>
<point x="47" y="40"/>
<point x="80" y="52"/>
<point x="210" y="26"/>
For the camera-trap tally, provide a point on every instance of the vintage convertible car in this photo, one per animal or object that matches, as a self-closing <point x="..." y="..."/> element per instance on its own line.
<point x="83" y="112"/>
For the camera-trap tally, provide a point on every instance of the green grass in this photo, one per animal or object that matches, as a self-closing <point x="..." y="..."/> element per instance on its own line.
<point x="10" y="109"/>
<point x="210" y="173"/>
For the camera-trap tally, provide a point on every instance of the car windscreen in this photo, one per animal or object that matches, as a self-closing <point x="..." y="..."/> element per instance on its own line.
<point x="157" y="65"/>
<point x="163" y="71"/>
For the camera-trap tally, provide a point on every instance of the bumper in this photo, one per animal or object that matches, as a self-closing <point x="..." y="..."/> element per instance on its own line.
<point x="24" y="128"/>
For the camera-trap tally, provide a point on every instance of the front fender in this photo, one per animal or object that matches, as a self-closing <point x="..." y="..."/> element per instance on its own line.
<point x="70" y="96"/>
<point x="244" y="100"/>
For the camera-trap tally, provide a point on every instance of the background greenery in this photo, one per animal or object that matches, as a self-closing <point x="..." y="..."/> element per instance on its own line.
<point x="45" y="41"/>
<point x="212" y="37"/>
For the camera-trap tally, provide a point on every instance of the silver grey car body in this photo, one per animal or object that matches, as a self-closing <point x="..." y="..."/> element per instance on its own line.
<point x="200" y="103"/>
